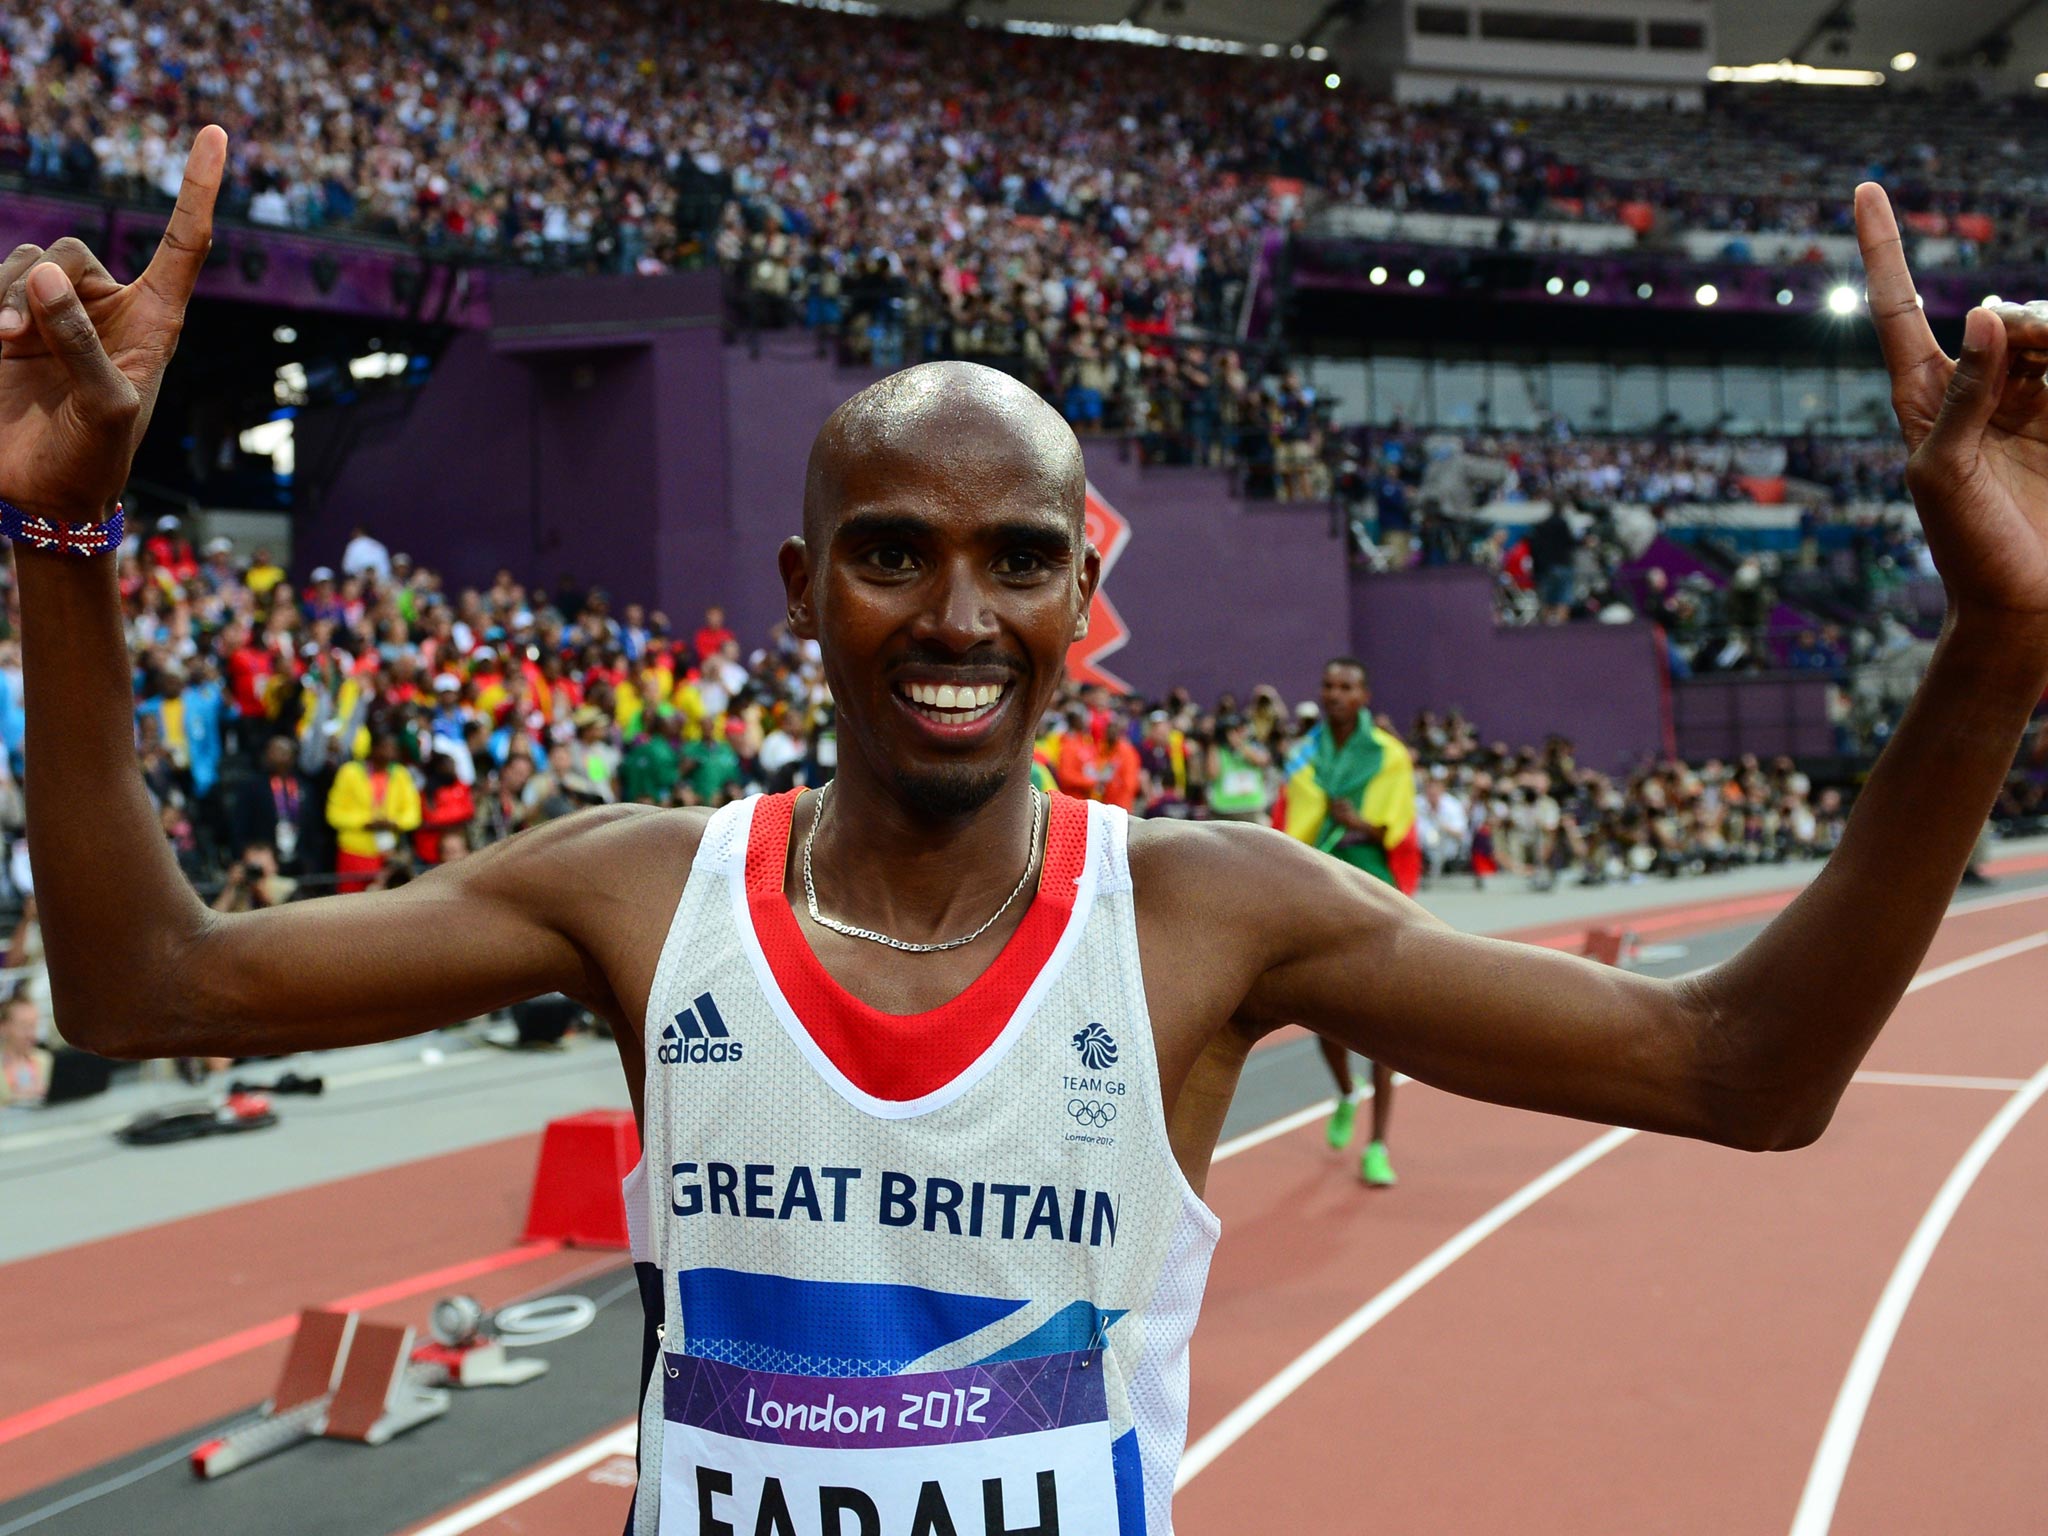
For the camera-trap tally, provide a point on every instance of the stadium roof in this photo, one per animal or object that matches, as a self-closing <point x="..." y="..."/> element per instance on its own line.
<point x="1858" y="34"/>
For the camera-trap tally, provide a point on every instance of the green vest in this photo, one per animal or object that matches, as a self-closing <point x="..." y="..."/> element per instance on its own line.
<point x="1239" y="785"/>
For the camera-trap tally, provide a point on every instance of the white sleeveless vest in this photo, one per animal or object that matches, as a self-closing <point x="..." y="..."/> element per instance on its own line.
<point x="915" y="1276"/>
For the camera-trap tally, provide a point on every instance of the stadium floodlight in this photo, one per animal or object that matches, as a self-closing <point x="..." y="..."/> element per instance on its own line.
<point x="2041" y="79"/>
<point x="1377" y="275"/>
<point x="1319" y="53"/>
<point x="1842" y="299"/>
<point x="1333" y="80"/>
<point x="1784" y="295"/>
<point x="1785" y="72"/>
<point x="1644" y="290"/>
<point x="1582" y="288"/>
<point x="1415" y="277"/>
<point x="1707" y="293"/>
<point x="284" y="335"/>
<point x="1905" y="61"/>
<point x="1555" y="285"/>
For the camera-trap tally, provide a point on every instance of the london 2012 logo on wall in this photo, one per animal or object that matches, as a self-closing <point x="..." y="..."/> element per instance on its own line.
<point x="1097" y="1047"/>
<point x="1109" y="533"/>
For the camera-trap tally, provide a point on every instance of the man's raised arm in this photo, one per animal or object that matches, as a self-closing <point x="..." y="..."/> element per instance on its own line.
<point x="138" y="965"/>
<point x="1757" y="1051"/>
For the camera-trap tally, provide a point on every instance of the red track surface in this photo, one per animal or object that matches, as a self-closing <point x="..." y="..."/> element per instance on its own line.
<point x="1654" y="1345"/>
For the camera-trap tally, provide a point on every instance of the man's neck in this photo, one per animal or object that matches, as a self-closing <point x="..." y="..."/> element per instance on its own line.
<point x="1341" y="733"/>
<point x="880" y="863"/>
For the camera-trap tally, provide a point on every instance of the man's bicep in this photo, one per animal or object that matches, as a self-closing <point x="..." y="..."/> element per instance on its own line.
<point x="1511" y="1023"/>
<point x="459" y="941"/>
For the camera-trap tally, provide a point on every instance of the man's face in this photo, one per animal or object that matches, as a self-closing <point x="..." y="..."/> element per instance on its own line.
<point x="1344" y="696"/>
<point x="278" y="755"/>
<point x="18" y="1026"/>
<point x="950" y="581"/>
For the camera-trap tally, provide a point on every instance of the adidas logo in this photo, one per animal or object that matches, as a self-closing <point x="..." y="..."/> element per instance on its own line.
<point x="699" y="1035"/>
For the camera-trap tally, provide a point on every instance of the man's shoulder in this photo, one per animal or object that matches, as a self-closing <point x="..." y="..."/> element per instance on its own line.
<point x="1199" y="861"/>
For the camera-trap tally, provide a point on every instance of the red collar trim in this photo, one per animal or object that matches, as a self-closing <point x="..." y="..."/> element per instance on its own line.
<point x="899" y="1057"/>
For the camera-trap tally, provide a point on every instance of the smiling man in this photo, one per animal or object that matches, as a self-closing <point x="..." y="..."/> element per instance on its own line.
<point x="929" y="1066"/>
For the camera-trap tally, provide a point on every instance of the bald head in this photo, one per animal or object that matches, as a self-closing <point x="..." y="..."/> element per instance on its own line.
<point x="972" y="426"/>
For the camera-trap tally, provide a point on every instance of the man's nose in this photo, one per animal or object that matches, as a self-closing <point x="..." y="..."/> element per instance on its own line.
<point x="961" y="614"/>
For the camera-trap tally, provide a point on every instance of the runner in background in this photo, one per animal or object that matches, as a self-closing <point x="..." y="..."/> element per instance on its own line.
<point x="1350" y="791"/>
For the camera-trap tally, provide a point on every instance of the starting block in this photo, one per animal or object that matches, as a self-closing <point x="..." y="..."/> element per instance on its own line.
<point x="346" y="1378"/>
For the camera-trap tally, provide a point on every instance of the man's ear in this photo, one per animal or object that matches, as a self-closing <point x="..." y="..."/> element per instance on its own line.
<point x="1090" y="579"/>
<point x="793" y="559"/>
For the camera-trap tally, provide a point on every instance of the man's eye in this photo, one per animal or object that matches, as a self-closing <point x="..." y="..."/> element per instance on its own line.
<point x="1020" y="562"/>
<point x="891" y="557"/>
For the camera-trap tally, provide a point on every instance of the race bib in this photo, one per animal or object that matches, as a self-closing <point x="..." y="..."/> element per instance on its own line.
<point x="385" y="841"/>
<point x="1010" y="1448"/>
<point x="287" y="841"/>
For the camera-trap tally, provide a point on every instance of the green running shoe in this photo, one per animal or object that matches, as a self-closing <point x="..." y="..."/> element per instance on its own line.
<point x="1340" y="1124"/>
<point x="1375" y="1167"/>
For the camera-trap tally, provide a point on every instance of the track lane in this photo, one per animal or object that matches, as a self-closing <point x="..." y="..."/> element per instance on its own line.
<point x="1487" y="1401"/>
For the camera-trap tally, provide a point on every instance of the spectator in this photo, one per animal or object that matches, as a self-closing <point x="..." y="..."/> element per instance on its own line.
<point x="253" y="882"/>
<point x="371" y="805"/>
<point x="24" y="1063"/>
<point x="366" y="556"/>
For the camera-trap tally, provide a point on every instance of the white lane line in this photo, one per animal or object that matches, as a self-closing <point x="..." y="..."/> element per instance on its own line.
<point x="1939" y="1080"/>
<point x="1337" y="1340"/>
<point x="1276" y="1391"/>
<point x="1972" y="962"/>
<point x="1838" y="1442"/>
<point x="620" y="1442"/>
<point x="1272" y="1130"/>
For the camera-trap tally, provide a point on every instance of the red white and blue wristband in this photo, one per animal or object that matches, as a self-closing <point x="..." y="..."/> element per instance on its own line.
<point x="56" y="535"/>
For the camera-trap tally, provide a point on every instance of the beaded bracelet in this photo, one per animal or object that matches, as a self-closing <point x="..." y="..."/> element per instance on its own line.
<point x="52" y="533"/>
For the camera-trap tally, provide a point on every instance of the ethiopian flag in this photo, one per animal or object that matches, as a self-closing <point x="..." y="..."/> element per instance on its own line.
<point x="1374" y="772"/>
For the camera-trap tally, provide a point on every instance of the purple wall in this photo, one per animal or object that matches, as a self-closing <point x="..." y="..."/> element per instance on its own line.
<point x="1727" y="716"/>
<point x="1429" y="639"/>
<point x="601" y="455"/>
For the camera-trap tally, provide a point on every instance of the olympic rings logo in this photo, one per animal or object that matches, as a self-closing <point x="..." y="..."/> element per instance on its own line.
<point x="1091" y="1112"/>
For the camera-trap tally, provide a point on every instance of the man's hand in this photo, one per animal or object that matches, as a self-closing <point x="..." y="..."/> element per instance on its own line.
<point x="82" y="356"/>
<point x="1977" y="428"/>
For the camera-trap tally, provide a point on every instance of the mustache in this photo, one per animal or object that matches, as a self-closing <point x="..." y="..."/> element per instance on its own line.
<point x="933" y="660"/>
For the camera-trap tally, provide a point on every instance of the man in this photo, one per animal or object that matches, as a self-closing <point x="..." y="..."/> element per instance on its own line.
<point x="269" y="807"/>
<point x="370" y="806"/>
<point x="861" y="1152"/>
<point x="366" y="556"/>
<point x="713" y="637"/>
<point x="1350" y="791"/>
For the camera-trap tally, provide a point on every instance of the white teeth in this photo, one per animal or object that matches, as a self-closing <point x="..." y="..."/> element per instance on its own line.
<point x="949" y="697"/>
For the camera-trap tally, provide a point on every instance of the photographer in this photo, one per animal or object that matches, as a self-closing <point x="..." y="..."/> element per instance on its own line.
<point x="253" y="882"/>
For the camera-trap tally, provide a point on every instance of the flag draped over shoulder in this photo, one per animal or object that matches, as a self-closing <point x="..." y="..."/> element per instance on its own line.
<point x="1375" y="773"/>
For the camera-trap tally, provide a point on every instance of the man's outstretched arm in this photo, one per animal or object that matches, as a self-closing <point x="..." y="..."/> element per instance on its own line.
<point x="138" y="965"/>
<point x="1756" y="1051"/>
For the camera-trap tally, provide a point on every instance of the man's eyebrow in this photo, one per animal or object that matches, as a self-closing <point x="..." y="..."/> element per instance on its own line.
<point x="880" y="525"/>
<point x="1045" y="538"/>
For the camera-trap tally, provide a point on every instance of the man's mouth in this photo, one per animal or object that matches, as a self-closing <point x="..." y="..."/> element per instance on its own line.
<point x="953" y="703"/>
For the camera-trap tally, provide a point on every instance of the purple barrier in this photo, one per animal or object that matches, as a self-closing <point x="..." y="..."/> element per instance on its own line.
<point x="1768" y="715"/>
<point x="262" y="265"/>
<point x="1429" y="639"/>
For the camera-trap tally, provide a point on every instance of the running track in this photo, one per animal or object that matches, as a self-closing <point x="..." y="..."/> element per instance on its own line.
<point x="1545" y="1328"/>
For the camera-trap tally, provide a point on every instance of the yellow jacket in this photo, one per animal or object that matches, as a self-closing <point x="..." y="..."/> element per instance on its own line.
<point x="352" y="806"/>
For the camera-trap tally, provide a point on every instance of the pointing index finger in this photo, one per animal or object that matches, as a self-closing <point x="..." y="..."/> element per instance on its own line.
<point x="1902" y="329"/>
<point x="174" y="271"/>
